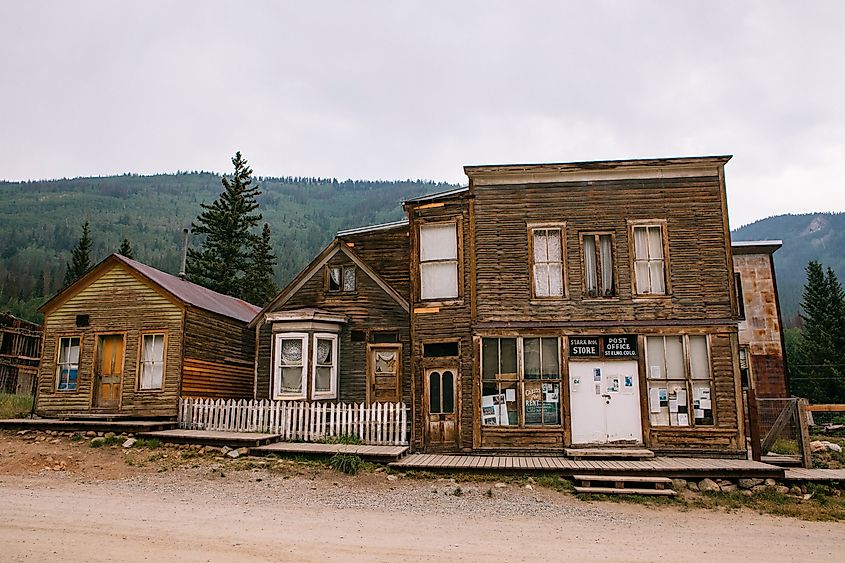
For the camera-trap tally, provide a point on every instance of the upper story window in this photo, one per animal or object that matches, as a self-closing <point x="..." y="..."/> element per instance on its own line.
<point x="438" y="261"/>
<point x="649" y="259"/>
<point x="341" y="278"/>
<point x="598" y="265"/>
<point x="67" y="365"/>
<point x="547" y="261"/>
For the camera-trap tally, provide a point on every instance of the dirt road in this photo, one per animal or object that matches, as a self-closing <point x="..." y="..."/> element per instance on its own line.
<point x="67" y="502"/>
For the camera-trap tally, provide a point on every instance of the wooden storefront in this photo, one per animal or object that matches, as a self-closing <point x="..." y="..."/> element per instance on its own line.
<point x="128" y="340"/>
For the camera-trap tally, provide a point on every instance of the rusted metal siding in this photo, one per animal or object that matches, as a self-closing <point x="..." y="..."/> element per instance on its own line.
<point x="117" y="302"/>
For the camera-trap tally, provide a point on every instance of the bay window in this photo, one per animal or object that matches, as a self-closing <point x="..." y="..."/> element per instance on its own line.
<point x="294" y="375"/>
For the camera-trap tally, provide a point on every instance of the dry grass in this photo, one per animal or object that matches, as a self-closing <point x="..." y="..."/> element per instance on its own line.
<point x="15" y="406"/>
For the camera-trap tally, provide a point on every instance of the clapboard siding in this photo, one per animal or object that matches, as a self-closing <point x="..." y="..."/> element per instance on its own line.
<point x="117" y="302"/>
<point x="369" y="308"/>
<point x="698" y="270"/>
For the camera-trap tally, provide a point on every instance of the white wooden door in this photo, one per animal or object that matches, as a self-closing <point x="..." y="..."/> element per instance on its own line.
<point x="604" y="402"/>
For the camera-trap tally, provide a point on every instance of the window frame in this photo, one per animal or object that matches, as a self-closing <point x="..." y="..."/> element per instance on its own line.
<point x="688" y="381"/>
<point x="561" y="227"/>
<point x="304" y="337"/>
<point x="332" y="392"/>
<point x="740" y="296"/>
<point x="343" y="270"/>
<point x="521" y="380"/>
<point x="57" y="365"/>
<point x="613" y="259"/>
<point x="458" y="260"/>
<point x="140" y="376"/>
<point x="632" y="247"/>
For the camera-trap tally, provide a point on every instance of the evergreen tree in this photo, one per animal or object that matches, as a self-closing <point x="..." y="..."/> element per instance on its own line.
<point x="260" y="285"/>
<point x="125" y="249"/>
<point x="819" y="373"/>
<point x="80" y="257"/>
<point x="225" y="257"/>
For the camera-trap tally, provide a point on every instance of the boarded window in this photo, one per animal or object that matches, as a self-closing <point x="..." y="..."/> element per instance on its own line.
<point x="547" y="262"/>
<point x="152" y="361"/>
<point x="598" y="265"/>
<point x="67" y="366"/>
<point x="679" y="381"/>
<point x="649" y="262"/>
<point x="438" y="261"/>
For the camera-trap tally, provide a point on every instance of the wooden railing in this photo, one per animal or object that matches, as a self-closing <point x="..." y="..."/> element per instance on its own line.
<point x="378" y="423"/>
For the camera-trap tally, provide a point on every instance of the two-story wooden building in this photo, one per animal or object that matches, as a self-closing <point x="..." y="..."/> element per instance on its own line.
<point x="560" y="305"/>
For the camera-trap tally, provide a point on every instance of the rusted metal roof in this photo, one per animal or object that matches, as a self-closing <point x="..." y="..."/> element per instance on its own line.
<point x="193" y="294"/>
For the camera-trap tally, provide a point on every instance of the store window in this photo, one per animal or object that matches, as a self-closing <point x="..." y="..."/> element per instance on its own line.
<point x="547" y="262"/>
<point x="598" y="265"/>
<point x="649" y="260"/>
<point x="438" y="261"/>
<point x="67" y="365"/>
<point x="680" y="382"/>
<point x="520" y="389"/>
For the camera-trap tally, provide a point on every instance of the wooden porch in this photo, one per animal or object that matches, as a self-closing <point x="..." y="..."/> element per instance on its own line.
<point x="682" y="467"/>
<point x="97" y="425"/>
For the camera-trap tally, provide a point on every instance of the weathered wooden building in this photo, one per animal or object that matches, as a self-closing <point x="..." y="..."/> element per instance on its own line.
<point x="340" y="330"/>
<point x="128" y="340"/>
<point x="761" y="343"/>
<point x="562" y="305"/>
<point x="20" y="351"/>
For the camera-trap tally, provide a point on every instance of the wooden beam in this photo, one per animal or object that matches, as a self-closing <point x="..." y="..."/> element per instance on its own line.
<point x="823" y="408"/>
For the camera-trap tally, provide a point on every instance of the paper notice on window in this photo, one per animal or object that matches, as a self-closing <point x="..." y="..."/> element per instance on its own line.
<point x="699" y="414"/>
<point x="673" y="405"/>
<point x="683" y="420"/>
<point x="704" y="404"/>
<point x="510" y="395"/>
<point x="654" y="400"/>
<point x="655" y="372"/>
<point x="682" y="397"/>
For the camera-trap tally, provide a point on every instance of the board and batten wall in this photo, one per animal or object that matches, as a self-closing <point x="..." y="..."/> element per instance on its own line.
<point x="117" y="302"/>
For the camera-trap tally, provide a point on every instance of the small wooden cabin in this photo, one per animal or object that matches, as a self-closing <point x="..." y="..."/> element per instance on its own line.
<point x="128" y="340"/>
<point x="20" y="351"/>
<point x="340" y="331"/>
<point x="761" y="342"/>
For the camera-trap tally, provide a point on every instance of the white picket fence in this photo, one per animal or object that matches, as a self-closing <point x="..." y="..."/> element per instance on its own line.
<point x="378" y="423"/>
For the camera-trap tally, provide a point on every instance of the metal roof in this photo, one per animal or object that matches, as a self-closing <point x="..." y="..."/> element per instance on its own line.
<point x="437" y="195"/>
<point x="369" y="228"/>
<point x="193" y="294"/>
<point x="755" y="246"/>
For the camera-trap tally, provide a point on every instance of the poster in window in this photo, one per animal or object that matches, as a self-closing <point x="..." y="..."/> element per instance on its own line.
<point x="533" y="402"/>
<point x="494" y="410"/>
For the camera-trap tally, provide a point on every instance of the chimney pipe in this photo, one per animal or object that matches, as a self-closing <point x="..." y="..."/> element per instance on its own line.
<point x="182" y="263"/>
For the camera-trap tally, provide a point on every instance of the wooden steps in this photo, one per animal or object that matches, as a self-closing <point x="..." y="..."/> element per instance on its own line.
<point x="621" y="484"/>
<point x="609" y="453"/>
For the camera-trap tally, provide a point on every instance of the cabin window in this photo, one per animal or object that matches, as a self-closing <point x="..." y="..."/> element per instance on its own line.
<point x="547" y="262"/>
<point x="67" y="366"/>
<point x="599" y="278"/>
<point x="679" y="380"/>
<point x="152" y="361"/>
<point x="649" y="260"/>
<point x="324" y="381"/>
<point x="520" y="389"/>
<point x="341" y="278"/>
<point x="740" y="299"/>
<point x="290" y="365"/>
<point x="438" y="261"/>
<point x="440" y="349"/>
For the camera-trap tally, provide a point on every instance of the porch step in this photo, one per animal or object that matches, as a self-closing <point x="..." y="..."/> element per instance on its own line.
<point x="609" y="453"/>
<point x="621" y="484"/>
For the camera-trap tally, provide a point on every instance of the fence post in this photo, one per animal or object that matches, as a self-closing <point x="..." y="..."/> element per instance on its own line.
<point x="804" y="434"/>
<point x="754" y="424"/>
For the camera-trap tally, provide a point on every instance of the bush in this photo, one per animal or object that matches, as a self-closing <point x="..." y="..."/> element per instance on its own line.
<point x="346" y="463"/>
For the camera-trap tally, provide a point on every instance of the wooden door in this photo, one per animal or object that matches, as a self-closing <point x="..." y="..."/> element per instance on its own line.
<point x="384" y="373"/>
<point x="109" y="377"/>
<point x="441" y="408"/>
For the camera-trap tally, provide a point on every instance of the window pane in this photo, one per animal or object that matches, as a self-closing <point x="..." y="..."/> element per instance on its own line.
<point x="349" y="279"/>
<point x="655" y="243"/>
<point x="553" y="245"/>
<point x="533" y="406"/>
<point x="590" y="273"/>
<point x="555" y="280"/>
<point x="702" y="403"/>
<point x="541" y="253"/>
<point x="324" y="351"/>
<point x="291" y="380"/>
<point x="656" y="277"/>
<point x="434" y="392"/>
<point x="385" y="362"/>
<point x="656" y="368"/>
<point x="551" y="403"/>
<point x="541" y="280"/>
<point x="438" y="242"/>
<point x="551" y="358"/>
<point x="512" y="406"/>
<point x="439" y="280"/>
<point x="531" y="358"/>
<point x="675" y="357"/>
<point x="606" y="259"/>
<point x="73" y="354"/>
<point x="448" y="392"/>
<point x="291" y="352"/>
<point x="508" y="359"/>
<point x="640" y="243"/>
<point x="334" y="279"/>
<point x="641" y="270"/>
<point x="323" y="380"/>
<point x="489" y="358"/>
<point x="699" y="363"/>
<point x="155" y="375"/>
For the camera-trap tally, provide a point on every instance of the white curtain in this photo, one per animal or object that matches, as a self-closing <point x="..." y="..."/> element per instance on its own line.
<point x="606" y="254"/>
<point x="153" y="361"/>
<point x="439" y="280"/>
<point x="590" y="275"/>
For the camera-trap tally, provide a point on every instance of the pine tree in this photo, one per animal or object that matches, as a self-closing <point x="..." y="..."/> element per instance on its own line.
<point x="126" y="249"/>
<point x="80" y="257"/>
<point x="225" y="257"/>
<point x="260" y="285"/>
<point x="820" y="373"/>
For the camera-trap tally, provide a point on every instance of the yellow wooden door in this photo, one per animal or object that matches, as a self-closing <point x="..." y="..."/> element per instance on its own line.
<point x="384" y="373"/>
<point x="110" y="350"/>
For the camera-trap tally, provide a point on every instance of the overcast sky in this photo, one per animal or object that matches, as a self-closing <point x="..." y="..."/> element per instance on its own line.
<point x="418" y="89"/>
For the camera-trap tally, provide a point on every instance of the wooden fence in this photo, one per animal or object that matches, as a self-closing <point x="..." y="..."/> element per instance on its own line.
<point x="378" y="423"/>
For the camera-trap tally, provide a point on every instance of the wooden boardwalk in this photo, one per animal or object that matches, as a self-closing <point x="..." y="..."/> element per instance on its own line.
<point x="384" y="453"/>
<point x="117" y="426"/>
<point x="663" y="466"/>
<point x="211" y="437"/>
<point x="799" y="474"/>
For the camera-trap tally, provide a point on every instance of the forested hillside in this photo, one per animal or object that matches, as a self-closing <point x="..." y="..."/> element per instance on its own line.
<point x="810" y="236"/>
<point x="40" y="221"/>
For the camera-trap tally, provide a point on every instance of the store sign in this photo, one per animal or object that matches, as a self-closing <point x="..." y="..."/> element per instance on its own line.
<point x="583" y="346"/>
<point x="620" y="346"/>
